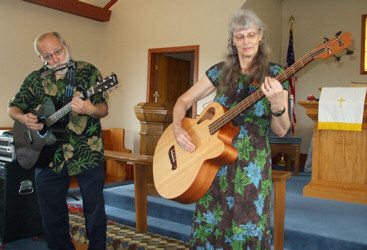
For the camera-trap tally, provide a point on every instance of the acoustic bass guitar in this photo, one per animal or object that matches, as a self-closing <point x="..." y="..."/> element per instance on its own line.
<point x="29" y="143"/>
<point x="185" y="177"/>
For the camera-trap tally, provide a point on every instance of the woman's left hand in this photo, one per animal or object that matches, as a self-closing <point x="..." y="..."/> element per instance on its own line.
<point x="273" y="91"/>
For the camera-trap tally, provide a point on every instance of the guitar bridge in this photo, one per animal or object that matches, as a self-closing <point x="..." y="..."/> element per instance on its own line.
<point x="172" y="157"/>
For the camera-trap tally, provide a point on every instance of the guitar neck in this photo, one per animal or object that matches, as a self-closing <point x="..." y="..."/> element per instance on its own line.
<point x="52" y="119"/>
<point x="257" y="95"/>
<point x="99" y="87"/>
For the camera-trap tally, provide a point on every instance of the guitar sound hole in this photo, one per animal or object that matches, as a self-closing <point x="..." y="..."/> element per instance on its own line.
<point x="208" y="115"/>
<point x="43" y="131"/>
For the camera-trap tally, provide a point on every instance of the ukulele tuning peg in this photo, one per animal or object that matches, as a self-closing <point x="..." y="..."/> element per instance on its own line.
<point x="349" y="52"/>
<point x="337" y="59"/>
<point x="338" y="34"/>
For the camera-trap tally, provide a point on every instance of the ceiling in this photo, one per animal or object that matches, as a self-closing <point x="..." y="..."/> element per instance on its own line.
<point x="94" y="9"/>
<point x="99" y="3"/>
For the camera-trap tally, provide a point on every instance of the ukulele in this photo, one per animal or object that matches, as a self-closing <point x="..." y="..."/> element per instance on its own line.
<point x="185" y="177"/>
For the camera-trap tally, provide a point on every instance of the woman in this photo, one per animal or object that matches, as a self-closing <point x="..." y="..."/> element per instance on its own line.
<point x="235" y="212"/>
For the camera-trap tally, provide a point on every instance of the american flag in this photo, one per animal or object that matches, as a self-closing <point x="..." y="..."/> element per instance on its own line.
<point x="292" y="80"/>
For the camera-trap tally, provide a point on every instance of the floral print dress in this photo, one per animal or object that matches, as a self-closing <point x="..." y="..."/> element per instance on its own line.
<point x="235" y="212"/>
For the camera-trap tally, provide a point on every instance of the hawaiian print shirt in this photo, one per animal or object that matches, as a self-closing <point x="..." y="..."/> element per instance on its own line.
<point x="84" y="148"/>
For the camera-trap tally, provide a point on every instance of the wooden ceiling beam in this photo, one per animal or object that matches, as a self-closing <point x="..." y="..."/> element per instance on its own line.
<point x="78" y="8"/>
<point x="108" y="6"/>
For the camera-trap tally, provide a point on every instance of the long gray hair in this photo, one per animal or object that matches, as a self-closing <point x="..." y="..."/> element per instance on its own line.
<point x="244" y="19"/>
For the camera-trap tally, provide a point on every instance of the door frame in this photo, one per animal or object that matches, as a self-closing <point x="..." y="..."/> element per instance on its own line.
<point x="151" y="68"/>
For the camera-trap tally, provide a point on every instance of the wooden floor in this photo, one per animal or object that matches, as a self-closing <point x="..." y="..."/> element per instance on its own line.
<point x="74" y="183"/>
<point x="80" y="246"/>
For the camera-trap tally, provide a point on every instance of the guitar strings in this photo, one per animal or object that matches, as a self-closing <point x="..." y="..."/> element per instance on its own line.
<point x="232" y="113"/>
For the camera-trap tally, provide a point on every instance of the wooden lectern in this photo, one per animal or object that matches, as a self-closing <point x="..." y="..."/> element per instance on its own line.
<point x="339" y="161"/>
<point x="154" y="119"/>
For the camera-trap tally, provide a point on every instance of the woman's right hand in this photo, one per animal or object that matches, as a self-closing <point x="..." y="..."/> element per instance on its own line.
<point x="198" y="91"/>
<point x="183" y="139"/>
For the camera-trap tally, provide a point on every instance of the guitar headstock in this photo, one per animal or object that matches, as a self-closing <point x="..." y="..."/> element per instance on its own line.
<point x="105" y="84"/>
<point x="330" y="47"/>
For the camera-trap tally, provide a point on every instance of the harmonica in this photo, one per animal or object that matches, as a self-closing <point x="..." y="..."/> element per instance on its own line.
<point x="60" y="67"/>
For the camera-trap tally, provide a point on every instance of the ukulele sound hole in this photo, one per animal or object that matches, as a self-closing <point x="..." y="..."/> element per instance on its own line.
<point x="172" y="157"/>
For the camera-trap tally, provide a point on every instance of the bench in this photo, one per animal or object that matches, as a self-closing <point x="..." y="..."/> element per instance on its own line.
<point x="140" y="163"/>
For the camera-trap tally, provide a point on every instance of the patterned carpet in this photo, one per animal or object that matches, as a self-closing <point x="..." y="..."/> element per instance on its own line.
<point x="124" y="237"/>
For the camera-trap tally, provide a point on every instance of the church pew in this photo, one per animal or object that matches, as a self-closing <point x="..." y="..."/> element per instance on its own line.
<point x="140" y="163"/>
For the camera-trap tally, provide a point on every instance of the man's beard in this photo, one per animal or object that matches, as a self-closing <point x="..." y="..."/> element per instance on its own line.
<point x="63" y="71"/>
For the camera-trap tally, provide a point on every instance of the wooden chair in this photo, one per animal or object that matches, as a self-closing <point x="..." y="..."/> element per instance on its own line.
<point x="114" y="140"/>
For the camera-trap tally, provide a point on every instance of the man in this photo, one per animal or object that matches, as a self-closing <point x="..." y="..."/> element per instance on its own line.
<point x="82" y="153"/>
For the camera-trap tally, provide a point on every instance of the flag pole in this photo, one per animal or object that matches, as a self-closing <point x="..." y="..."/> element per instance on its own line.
<point x="293" y="79"/>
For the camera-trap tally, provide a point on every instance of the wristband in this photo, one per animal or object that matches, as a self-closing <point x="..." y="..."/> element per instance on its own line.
<point x="278" y="113"/>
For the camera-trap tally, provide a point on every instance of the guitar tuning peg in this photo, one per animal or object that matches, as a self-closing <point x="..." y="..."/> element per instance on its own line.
<point x="338" y="33"/>
<point x="326" y="39"/>
<point x="337" y="59"/>
<point x="349" y="52"/>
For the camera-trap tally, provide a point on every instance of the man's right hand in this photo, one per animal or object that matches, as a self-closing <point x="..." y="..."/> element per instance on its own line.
<point x="31" y="121"/>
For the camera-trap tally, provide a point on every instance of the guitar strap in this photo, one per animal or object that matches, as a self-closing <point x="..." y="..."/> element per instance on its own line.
<point x="69" y="84"/>
<point x="69" y="88"/>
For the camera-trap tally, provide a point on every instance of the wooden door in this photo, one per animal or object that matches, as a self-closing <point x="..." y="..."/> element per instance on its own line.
<point x="172" y="78"/>
<point x="185" y="53"/>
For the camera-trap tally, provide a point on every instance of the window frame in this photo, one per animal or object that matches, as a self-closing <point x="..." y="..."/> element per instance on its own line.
<point x="363" y="45"/>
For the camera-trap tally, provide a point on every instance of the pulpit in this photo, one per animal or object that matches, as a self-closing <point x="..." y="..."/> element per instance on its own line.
<point x="154" y="119"/>
<point x="339" y="161"/>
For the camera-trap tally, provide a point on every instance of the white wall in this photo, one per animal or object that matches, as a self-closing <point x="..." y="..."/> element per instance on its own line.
<point x="20" y="23"/>
<point x="121" y="45"/>
<point x="176" y="23"/>
<point x="139" y="25"/>
<point x="270" y="12"/>
<point x="315" y="20"/>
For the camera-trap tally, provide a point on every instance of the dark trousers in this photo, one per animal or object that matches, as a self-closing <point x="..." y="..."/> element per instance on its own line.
<point x="52" y="189"/>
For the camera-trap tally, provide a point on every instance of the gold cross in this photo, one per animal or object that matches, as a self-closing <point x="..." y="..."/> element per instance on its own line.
<point x="341" y="100"/>
<point x="156" y="95"/>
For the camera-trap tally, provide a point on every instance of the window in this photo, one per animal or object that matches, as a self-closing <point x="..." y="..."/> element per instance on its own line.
<point x="364" y="45"/>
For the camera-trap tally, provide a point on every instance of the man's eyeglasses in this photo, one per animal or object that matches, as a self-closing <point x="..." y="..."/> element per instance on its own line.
<point x="56" y="53"/>
<point x="249" y="36"/>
